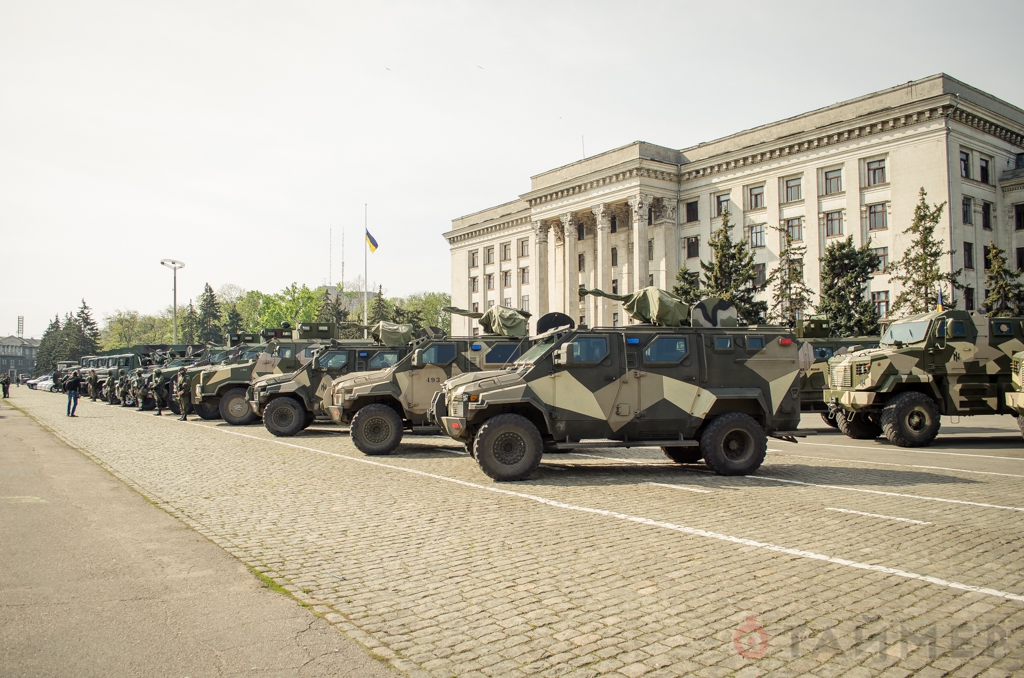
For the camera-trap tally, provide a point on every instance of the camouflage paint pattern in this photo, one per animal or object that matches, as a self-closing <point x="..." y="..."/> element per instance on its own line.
<point x="814" y="356"/>
<point x="1015" y="396"/>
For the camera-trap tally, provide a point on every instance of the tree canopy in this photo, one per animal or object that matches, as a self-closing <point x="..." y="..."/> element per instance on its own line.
<point x="845" y="271"/>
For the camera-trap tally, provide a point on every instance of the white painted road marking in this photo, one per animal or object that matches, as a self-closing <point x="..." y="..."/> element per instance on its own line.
<point x="876" y="515"/>
<point x="915" y="450"/>
<point x="741" y="541"/>
<point x="681" y="487"/>
<point x="889" y="463"/>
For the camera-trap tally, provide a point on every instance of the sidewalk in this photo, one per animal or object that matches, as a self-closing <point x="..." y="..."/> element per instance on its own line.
<point x="95" y="581"/>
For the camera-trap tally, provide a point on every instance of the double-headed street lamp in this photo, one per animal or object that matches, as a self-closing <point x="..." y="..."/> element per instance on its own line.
<point x="174" y="265"/>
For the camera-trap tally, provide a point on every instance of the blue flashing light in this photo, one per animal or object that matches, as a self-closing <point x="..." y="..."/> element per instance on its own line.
<point x="476" y="347"/>
<point x="363" y="354"/>
<point x="632" y="341"/>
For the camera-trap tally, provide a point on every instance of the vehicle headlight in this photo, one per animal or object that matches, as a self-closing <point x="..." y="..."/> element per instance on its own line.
<point x="863" y="368"/>
<point x="467" y="398"/>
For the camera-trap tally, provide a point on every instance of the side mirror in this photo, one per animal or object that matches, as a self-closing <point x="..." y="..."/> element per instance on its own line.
<point x="563" y="355"/>
<point x="417" y="358"/>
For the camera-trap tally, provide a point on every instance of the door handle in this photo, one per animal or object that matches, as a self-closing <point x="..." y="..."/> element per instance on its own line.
<point x="609" y="377"/>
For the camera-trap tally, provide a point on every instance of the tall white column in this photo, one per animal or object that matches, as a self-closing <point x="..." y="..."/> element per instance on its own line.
<point x="639" y="208"/>
<point x="571" y="279"/>
<point x="602" y="265"/>
<point x="539" y="274"/>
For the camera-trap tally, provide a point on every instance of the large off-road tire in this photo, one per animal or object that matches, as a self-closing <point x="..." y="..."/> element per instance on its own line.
<point x="683" y="455"/>
<point x="830" y="419"/>
<point x="148" y="403"/>
<point x="1020" y="423"/>
<point x="284" y="417"/>
<point x="376" y="429"/>
<point x="310" y="418"/>
<point x="234" y="408"/>
<point x="733" y="444"/>
<point x="112" y="398"/>
<point x="508" y="447"/>
<point x="207" y="411"/>
<point x="911" y="420"/>
<point x="861" y="427"/>
<point x="172" y="405"/>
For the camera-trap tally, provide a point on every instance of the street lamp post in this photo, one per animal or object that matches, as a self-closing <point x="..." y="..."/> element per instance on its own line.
<point x="174" y="265"/>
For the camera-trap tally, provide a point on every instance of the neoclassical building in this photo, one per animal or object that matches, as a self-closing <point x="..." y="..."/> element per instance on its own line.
<point x="634" y="215"/>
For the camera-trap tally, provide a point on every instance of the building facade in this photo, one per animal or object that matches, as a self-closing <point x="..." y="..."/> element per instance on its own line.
<point x="635" y="215"/>
<point x="18" y="355"/>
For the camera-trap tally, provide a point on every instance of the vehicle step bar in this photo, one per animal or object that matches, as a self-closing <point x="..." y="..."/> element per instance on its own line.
<point x="790" y="435"/>
<point x="628" y="443"/>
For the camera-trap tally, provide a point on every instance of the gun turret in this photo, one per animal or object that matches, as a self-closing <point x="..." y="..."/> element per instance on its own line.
<point x="385" y="333"/>
<point x="500" y="320"/>
<point x="649" y="305"/>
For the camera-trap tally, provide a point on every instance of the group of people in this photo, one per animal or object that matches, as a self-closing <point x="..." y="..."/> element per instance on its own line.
<point x="128" y="390"/>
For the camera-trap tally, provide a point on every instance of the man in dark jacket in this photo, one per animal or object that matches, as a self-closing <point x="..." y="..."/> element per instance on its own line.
<point x="71" y="386"/>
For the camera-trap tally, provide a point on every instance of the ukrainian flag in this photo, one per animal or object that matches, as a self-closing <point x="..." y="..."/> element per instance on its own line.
<point x="371" y="242"/>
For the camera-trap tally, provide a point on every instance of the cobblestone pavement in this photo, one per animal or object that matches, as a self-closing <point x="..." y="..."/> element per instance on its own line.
<point x="840" y="557"/>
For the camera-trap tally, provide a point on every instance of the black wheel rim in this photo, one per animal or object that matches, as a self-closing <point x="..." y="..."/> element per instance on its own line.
<point x="377" y="431"/>
<point x="737" y="445"/>
<point x="283" y="417"/>
<point x="918" y="420"/>
<point x="509" y="448"/>
<point x="238" y="408"/>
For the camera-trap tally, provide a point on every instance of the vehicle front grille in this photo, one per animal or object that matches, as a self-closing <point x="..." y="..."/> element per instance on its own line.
<point x="841" y="377"/>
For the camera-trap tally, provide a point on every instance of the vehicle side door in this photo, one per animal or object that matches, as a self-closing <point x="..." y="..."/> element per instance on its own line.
<point x="432" y="365"/>
<point x="669" y="393"/>
<point x="328" y="366"/>
<point x="589" y="386"/>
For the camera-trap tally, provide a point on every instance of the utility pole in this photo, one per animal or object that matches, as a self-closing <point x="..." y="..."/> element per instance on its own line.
<point x="174" y="265"/>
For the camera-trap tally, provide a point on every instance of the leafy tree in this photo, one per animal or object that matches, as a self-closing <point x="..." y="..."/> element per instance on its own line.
<point x="121" y="329"/>
<point x="731" y="274"/>
<point x="428" y="306"/>
<point x="791" y="297"/>
<point x="687" y="286"/>
<point x="249" y="308"/>
<point x="188" y="325"/>
<point x="208" y="330"/>
<point x="294" y="303"/>
<point x="918" y="270"/>
<point x="407" y="316"/>
<point x="845" y="271"/>
<point x="1005" y="296"/>
<point x="89" y="327"/>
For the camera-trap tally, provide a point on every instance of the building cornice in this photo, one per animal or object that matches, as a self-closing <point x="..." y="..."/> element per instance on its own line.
<point x="462" y="236"/>
<point x="668" y="173"/>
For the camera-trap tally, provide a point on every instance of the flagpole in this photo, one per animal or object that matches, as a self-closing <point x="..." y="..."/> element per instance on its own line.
<point x="366" y="289"/>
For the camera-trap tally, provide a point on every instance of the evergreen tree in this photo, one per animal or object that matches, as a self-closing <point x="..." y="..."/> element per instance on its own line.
<point x="332" y="308"/>
<point x="918" y="271"/>
<point x="233" y="321"/>
<point x="407" y="316"/>
<point x="89" y="327"/>
<point x="208" y="330"/>
<point x="1005" y="296"/>
<point x="188" y="325"/>
<point x="379" y="308"/>
<point x="687" y="286"/>
<point x="731" y="274"/>
<point x="74" y="343"/>
<point x="845" y="271"/>
<point x="46" y="352"/>
<point x="791" y="297"/>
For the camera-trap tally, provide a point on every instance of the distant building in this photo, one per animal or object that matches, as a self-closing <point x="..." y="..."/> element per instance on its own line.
<point x="632" y="216"/>
<point x="17" y="355"/>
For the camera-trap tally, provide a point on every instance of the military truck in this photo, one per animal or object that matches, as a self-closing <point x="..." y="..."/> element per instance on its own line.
<point x="224" y="388"/>
<point x="289" y="403"/>
<point x="712" y="390"/>
<point x="817" y="347"/>
<point x="1015" y="397"/>
<point x="380" y="406"/>
<point x="946" y="362"/>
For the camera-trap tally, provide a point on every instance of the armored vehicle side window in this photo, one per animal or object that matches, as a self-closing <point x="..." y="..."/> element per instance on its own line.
<point x="502" y="353"/>
<point x="439" y="354"/>
<point x="823" y="352"/>
<point x="665" y="351"/>
<point x="755" y="343"/>
<point x="251" y="355"/>
<point x="723" y="343"/>
<point x="959" y="329"/>
<point x="382" y="360"/>
<point x="906" y="333"/>
<point x="589" y="349"/>
<point x="308" y="353"/>
<point x="537" y="351"/>
<point x="1002" y="328"/>
<point x="285" y="352"/>
<point x="334" y="360"/>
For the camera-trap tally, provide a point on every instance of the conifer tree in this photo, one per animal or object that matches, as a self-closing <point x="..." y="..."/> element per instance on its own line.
<point x="845" y="271"/>
<point x="791" y="297"/>
<point x="731" y="274"/>
<point x="74" y="343"/>
<point x="332" y="310"/>
<point x="687" y="286"/>
<point x="89" y="328"/>
<point x="379" y="310"/>
<point x="918" y="271"/>
<point x="233" y="321"/>
<point x="1005" y="296"/>
<point x="208" y="330"/>
<point x="46" y="352"/>
<point x="188" y="325"/>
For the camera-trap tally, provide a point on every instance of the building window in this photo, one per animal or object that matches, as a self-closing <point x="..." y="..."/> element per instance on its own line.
<point x="986" y="255"/>
<point x="506" y="251"/>
<point x="474" y="284"/>
<point x="650" y="216"/>
<point x="524" y="247"/>
<point x="650" y="280"/>
<point x="983" y="173"/>
<point x="833" y="181"/>
<point x="490" y="281"/>
<point x="883" y="258"/>
<point x="489" y="255"/>
<point x="476" y="331"/>
<point x="524" y="303"/>
<point x="524" y="275"/>
<point x="693" y="247"/>
<point x="1018" y="217"/>
<point x="506" y="278"/>
<point x="692" y="213"/>
<point x="1020" y="258"/>
<point x="580" y="232"/>
<point x="968" y="298"/>
<point x="756" y="197"/>
<point x="615" y="256"/>
<point x="881" y="302"/>
<point x="795" y="229"/>
<point x="986" y="216"/>
<point x="583" y="320"/>
<point x="507" y="302"/>
<point x="474" y="259"/>
<point x="615" y="285"/>
<point x="615" y="319"/>
<point x="476" y="307"/>
<point x="965" y="164"/>
<point x="757" y="235"/>
<point x="968" y="211"/>
<point x="583" y="262"/>
<point x="762" y="274"/>
<point x="490" y="303"/>
<point x="878" y="217"/>
<point x="876" y="172"/>
<point x="833" y="224"/>
<point x="650" y="250"/>
<point x="968" y="255"/>
<point x="614" y="224"/>
<point x="721" y="204"/>
<point x="793" y="190"/>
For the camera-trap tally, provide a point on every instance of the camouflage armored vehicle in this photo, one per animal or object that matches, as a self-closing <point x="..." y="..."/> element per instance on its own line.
<point x="817" y="347"/>
<point x="215" y="356"/>
<point x="1015" y="397"/>
<point x="380" y="406"/>
<point x="223" y="388"/>
<point x="712" y="390"/>
<point x="291" y="402"/>
<point x="945" y="362"/>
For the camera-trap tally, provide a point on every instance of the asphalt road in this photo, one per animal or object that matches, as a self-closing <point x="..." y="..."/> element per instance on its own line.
<point x="838" y="557"/>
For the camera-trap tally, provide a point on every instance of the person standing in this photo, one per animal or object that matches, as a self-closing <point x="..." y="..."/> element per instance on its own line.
<point x="159" y="390"/>
<point x="182" y="392"/>
<point x="5" y="382"/>
<point x="93" y="382"/>
<point x="71" y="386"/>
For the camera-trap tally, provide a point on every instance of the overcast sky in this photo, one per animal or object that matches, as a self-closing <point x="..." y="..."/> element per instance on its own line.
<point x="235" y="135"/>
